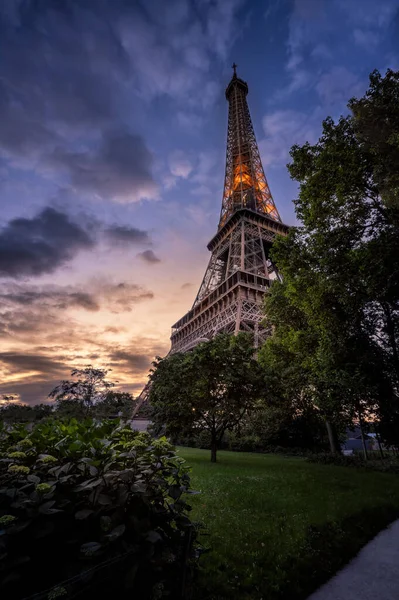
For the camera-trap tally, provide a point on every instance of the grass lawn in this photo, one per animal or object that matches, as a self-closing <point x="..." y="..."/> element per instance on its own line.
<point x="279" y="527"/>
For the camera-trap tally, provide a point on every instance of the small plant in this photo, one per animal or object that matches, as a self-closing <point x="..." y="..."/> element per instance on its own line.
<point x="106" y="499"/>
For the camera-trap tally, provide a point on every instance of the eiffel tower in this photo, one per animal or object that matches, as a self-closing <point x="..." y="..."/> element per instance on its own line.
<point x="240" y="270"/>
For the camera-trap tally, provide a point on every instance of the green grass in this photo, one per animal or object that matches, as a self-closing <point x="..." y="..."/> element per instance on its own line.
<point x="279" y="527"/>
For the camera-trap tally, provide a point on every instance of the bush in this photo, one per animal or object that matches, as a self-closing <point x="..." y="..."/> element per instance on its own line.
<point x="387" y="465"/>
<point x="239" y="443"/>
<point x="93" y="510"/>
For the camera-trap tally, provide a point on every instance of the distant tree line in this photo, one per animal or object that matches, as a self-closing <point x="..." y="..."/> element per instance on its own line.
<point x="87" y="394"/>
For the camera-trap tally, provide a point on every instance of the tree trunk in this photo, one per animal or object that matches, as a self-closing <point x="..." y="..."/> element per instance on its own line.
<point x="366" y="456"/>
<point x="390" y="327"/>
<point x="377" y="435"/>
<point x="214" y="448"/>
<point x="332" y="438"/>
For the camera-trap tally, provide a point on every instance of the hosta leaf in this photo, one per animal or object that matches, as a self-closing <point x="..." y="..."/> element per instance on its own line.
<point x="117" y="532"/>
<point x="153" y="537"/>
<point x="88" y="485"/>
<point x="33" y="478"/>
<point x="104" y="499"/>
<point x="83" y="514"/>
<point x="90" y="548"/>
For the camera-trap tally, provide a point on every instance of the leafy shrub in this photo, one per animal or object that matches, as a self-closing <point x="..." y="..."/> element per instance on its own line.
<point x="239" y="443"/>
<point x="92" y="509"/>
<point x="388" y="465"/>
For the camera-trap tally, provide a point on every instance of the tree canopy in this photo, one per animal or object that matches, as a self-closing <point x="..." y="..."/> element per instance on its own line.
<point x="209" y="389"/>
<point x="336" y="313"/>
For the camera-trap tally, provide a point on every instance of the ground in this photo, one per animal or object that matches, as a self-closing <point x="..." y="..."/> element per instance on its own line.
<point x="279" y="527"/>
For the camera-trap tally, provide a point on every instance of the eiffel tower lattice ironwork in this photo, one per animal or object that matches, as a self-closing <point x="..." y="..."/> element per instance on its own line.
<point x="239" y="271"/>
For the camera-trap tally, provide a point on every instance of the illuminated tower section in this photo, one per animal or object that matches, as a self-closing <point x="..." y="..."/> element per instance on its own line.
<point x="240" y="271"/>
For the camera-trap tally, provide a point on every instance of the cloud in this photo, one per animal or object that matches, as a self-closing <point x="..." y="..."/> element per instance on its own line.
<point x="338" y="85"/>
<point x="76" y="80"/>
<point x="316" y="26"/>
<point x="17" y="361"/>
<point x="366" y="39"/>
<point x="124" y="235"/>
<point x="149" y="256"/>
<point x="130" y="360"/>
<point x="186" y="286"/>
<point x="43" y="243"/>
<point x="43" y="312"/>
<point x="120" y="169"/>
<point x="50" y="296"/>
<point x="122" y="296"/>
<point x="179" y="164"/>
<point x="40" y="244"/>
<point x="283" y="129"/>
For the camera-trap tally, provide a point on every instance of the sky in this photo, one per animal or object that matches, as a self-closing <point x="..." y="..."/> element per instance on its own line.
<point x="113" y="126"/>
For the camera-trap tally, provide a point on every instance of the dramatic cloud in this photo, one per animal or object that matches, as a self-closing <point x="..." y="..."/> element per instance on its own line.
<point x="149" y="256"/>
<point x="29" y="309"/>
<point x="16" y="362"/>
<point x="119" y="170"/>
<point x="74" y="74"/>
<point x="56" y="297"/>
<point x="40" y="244"/>
<point x="123" y="235"/>
<point x="130" y="360"/>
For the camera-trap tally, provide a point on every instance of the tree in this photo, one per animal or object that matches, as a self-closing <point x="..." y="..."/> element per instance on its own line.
<point x="209" y="389"/>
<point x="115" y="404"/>
<point x="336" y="313"/>
<point x="89" y="388"/>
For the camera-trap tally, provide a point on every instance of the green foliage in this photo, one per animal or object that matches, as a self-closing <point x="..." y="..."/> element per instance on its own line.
<point x="94" y="508"/>
<point x="209" y="389"/>
<point x="15" y="412"/>
<point x="387" y="465"/>
<point x="89" y="387"/>
<point x="335" y="315"/>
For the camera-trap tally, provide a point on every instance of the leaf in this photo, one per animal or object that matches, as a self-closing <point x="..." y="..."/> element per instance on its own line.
<point x="175" y="491"/>
<point x="33" y="478"/>
<point x="46" y="506"/>
<point x="104" y="499"/>
<point x="89" y="548"/>
<point x="153" y="537"/>
<point x="117" y="532"/>
<point x="88" y="485"/>
<point x="83" y="514"/>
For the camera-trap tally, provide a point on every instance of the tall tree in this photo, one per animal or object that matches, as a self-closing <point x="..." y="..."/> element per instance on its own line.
<point x="209" y="389"/>
<point x="336" y="314"/>
<point x="89" y="387"/>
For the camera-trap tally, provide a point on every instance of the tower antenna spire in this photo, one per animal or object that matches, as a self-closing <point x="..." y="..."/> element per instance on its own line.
<point x="234" y="67"/>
